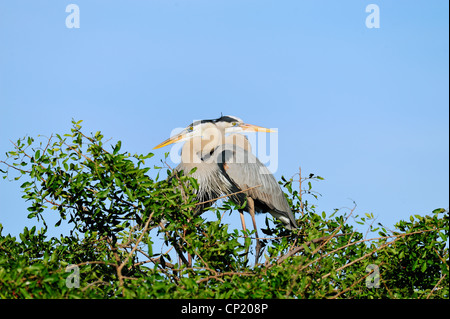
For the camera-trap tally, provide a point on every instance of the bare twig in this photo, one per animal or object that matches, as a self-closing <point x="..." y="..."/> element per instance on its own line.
<point x="355" y="283"/>
<point x="230" y="273"/>
<point x="397" y="237"/>
<point x="435" y="287"/>
<point x="300" y="189"/>
<point x="300" y="248"/>
<point x="120" y="267"/>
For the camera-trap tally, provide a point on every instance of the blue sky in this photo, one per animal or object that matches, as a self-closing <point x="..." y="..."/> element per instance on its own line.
<point x="367" y="109"/>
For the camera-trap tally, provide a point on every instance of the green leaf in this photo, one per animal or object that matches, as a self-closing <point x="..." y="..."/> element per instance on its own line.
<point x="130" y="194"/>
<point x="424" y="267"/>
<point x="194" y="183"/>
<point x="117" y="147"/>
<point x="149" y="155"/>
<point x="26" y="184"/>
<point x="102" y="194"/>
<point x="150" y="247"/>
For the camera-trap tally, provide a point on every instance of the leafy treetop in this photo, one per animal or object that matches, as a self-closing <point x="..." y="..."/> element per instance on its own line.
<point x="136" y="236"/>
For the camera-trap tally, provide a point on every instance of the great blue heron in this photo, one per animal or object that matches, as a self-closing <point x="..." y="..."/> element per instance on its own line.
<point x="226" y="165"/>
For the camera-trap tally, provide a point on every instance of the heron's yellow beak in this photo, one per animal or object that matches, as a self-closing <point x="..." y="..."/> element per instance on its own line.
<point x="171" y="140"/>
<point x="255" y="128"/>
<point x="196" y="131"/>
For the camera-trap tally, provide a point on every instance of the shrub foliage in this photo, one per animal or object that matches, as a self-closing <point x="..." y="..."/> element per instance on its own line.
<point x="133" y="236"/>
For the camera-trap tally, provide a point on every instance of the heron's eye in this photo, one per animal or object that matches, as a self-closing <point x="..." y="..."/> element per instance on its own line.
<point x="235" y="124"/>
<point x="191" y="128"/>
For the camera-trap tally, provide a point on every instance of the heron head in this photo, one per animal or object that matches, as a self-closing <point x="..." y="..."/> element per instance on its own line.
<point x="202" y="129"/>
<point x="233" y="124"/>
<point x="214" y="127"/>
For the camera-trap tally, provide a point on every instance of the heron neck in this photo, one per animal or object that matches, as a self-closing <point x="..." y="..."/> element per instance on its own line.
<point x="190" y="154"/>
<point x="194" y="149"/>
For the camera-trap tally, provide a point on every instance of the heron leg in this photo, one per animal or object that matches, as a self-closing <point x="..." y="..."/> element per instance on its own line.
<point x="251" y="208"/>
<point x="242" y="220"/>
<point x="241" y="213"/>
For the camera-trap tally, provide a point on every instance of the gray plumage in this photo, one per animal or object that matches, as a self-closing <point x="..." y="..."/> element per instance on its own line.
<point x="244" y="170"/>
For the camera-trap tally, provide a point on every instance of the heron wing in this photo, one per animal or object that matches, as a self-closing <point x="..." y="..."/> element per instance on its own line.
<point x="246" y="171"/>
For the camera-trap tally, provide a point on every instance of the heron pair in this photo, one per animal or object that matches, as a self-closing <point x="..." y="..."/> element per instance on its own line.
<point x="225" y="165"/>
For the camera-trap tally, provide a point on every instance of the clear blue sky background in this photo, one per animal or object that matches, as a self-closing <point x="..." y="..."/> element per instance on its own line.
<point x="367" y="109"/>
